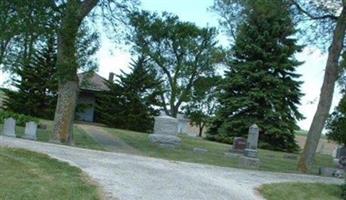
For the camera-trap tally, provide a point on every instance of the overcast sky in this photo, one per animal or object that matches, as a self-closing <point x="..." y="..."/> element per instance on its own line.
<point x="114" y="60"/>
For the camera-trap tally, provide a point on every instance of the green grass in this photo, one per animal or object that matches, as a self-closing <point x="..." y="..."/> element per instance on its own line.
<point x="32" y="176"/>
<point x="306" y="191"/>
<point x="81" y="139"/>
<point x="270" y="160"/>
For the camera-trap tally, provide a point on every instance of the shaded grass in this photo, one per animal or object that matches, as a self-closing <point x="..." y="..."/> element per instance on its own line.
<point x="32" y="176"/>
<point x="270" y="160"/>
<point x="306" y="191"/>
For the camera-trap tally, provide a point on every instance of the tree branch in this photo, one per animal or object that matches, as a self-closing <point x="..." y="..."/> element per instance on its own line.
<point x="311" y="16"/>
<point x="86" y="7"/>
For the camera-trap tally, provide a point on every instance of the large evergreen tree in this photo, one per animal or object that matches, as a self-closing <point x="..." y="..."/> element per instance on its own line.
<point x="261" y="84"/>
<point x="129" y="103"/>
<point x="36" y="85"/>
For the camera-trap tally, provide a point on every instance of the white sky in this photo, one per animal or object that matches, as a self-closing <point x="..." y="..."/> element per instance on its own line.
<point x="114" y="60"/>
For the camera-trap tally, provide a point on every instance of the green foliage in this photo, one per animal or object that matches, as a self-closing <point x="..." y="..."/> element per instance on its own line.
<point x="336" y="124"/>
<point x="36" y="85"/>
<point x="200" y="109"/>
<point x="20" y="118"/>
<point x="261" y="84"/>
<point x="128" y="104"/>
<point x="179" y="52"/>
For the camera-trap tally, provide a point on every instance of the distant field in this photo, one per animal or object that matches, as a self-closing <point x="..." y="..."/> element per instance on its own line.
<point x="324" y="147"/>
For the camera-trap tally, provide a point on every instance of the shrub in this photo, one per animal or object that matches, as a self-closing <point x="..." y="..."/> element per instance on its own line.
<point x="20" y="119"/>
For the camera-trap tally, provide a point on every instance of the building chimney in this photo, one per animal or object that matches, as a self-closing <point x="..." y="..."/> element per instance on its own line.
<point x="111" y="76"/>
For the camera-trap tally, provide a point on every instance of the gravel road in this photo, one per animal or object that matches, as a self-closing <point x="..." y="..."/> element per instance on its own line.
<point x="129" y="177"/>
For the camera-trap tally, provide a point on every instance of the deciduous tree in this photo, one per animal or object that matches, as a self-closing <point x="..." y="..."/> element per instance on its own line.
<point x="179" y="52"/>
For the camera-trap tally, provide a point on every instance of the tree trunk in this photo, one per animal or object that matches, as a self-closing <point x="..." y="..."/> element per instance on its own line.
<point x="67" y="66"/>
<point x="65" y="112"/>
<point x="200" y="131"/>
<point x="326" y="95"/>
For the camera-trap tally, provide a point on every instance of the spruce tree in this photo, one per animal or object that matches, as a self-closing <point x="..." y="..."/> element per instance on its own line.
<point x="261" y="84"/>
<point x="35" y="85"/>
<point x="129" y="103"/>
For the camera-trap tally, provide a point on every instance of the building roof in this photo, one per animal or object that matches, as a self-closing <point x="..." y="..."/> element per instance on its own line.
<point x="92" y="81"/>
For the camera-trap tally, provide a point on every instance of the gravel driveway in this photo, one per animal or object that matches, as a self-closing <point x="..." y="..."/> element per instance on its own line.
<point x="129" y="177"/>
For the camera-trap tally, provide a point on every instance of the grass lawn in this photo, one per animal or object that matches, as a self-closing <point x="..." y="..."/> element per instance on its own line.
<point x="81" y="139"/>
<point x="270" y="160"/>
<point x="32" y="176"/>
<point x="306" y="191"/>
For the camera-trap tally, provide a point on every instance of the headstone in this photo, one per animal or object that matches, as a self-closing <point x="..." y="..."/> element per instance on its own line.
<point x="200" y="150"/>
<point x="10" y="127"/>
<point x="290" y="156"/>
<point x="165" y="132"/>
<point x="239" y="145"/>
<point x="250" y="160"/>
<point x="252" y="142"/>
<point x="30" y="130"/>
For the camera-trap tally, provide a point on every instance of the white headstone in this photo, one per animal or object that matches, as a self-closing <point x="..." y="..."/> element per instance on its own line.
<point x="165" y="132"/>
<point x="166" y="125"/>
<point x="10" y="127"/>
<point x="30" y="130"/>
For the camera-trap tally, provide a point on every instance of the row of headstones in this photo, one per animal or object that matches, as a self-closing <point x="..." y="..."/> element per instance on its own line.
<point x="10" y="129"/>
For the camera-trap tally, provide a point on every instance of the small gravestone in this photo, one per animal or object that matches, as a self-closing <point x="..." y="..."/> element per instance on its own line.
<point x="165" y="132"/>
<point x="30" y="130"/>
<point x="250" y="160"/>
<point x="10" y="127"/>
<point x="239" y="145"/>
<point x="200" y="150"/>
<point x="290" y="157"/>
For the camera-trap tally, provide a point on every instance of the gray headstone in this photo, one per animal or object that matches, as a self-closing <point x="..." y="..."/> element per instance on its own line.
<point x="290" y="156"/>
<point x="200" y="150"/>
<point x="252" y="139"/>
<point x="165" y="132"/>
<point x="10" y="127"/>
<point x="252" y="142"/>
<point x="30" y="130"/>
<point x="166" y="125"/>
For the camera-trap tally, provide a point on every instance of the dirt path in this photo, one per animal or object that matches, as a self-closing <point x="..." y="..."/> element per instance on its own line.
<point x="107" y="140"/>
<point x="129" y="177"/>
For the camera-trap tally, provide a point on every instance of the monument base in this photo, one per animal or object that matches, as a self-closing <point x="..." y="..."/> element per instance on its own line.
<point x="247" y="162"/>
<point x="252" y="153"/>
<point x="238" y="151"/>
<point x="10" y="135"/>
<point x="166" y="141"/>
<point x="29" y="137"/>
